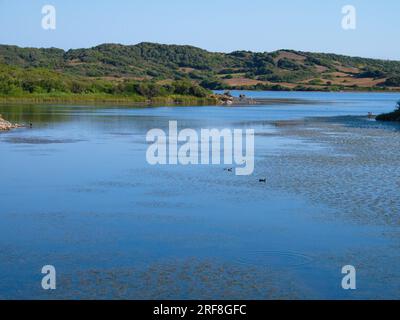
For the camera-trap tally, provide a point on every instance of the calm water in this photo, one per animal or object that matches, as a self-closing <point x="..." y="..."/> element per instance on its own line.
<point x="77" y="193"/>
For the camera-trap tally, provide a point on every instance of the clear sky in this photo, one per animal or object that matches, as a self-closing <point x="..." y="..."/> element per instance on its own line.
<point x="216" y="25"/>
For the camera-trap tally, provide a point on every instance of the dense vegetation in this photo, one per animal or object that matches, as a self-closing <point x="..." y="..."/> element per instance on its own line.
<point x="392" y="116"/>
<point x="150" y="70"/>
<point x="41" y="82"/>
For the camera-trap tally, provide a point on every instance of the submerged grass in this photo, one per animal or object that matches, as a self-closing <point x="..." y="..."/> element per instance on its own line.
<point x="107" y="98"/>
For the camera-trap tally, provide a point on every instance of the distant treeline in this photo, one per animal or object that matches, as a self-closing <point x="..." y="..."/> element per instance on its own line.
<point x="218" y="85"/>
<point x="160" y="61"/>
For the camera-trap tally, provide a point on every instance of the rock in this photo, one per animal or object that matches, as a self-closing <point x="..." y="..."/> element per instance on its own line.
<point x="6" y="125"/>
<point x="223" y="99"/>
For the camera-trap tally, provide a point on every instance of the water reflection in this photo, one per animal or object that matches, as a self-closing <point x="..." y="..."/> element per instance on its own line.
<point x="79" y="194"/>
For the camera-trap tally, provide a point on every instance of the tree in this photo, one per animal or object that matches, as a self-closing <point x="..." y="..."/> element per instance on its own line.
<point x="392" y="82"/>
<point x="213" y="84"/>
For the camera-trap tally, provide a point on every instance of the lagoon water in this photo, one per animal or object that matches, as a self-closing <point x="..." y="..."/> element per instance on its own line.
<point x="77" y="193"/>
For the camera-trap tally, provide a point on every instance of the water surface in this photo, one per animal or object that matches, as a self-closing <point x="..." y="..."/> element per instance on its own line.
<point x="77" y="193"/>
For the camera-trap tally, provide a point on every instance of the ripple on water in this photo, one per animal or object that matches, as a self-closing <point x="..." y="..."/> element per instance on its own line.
<point x="38" y="140"/>
<point x="275" y="259"/>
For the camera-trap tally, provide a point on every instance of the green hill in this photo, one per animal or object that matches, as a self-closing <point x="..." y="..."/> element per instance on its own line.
<point x="111" y="68"/>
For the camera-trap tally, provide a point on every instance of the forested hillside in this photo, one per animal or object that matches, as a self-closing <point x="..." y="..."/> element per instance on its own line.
<point x="115" y="68"/>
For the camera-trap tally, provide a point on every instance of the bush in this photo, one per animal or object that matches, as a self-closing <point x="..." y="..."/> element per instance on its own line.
<point x="368" y="73"/>
<point x="287" y="64"/>
<point x="392" y="116"/>
<point x="213" y="84"/>
<point x="392" y="82"/>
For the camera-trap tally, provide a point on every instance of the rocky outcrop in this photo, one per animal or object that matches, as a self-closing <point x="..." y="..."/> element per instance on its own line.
<point x="6" y="125"/>
<point x="223" y="98"/>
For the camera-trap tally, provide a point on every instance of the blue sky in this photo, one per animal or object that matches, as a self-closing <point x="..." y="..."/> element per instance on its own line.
<point x="216" y="25"/>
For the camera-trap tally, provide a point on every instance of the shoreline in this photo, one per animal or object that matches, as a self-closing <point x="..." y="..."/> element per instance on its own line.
<point x="213" y="99"/>
<point x="7" y="126"/>
<point x="178" y="101"/>
<point x="308" y="89"/>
